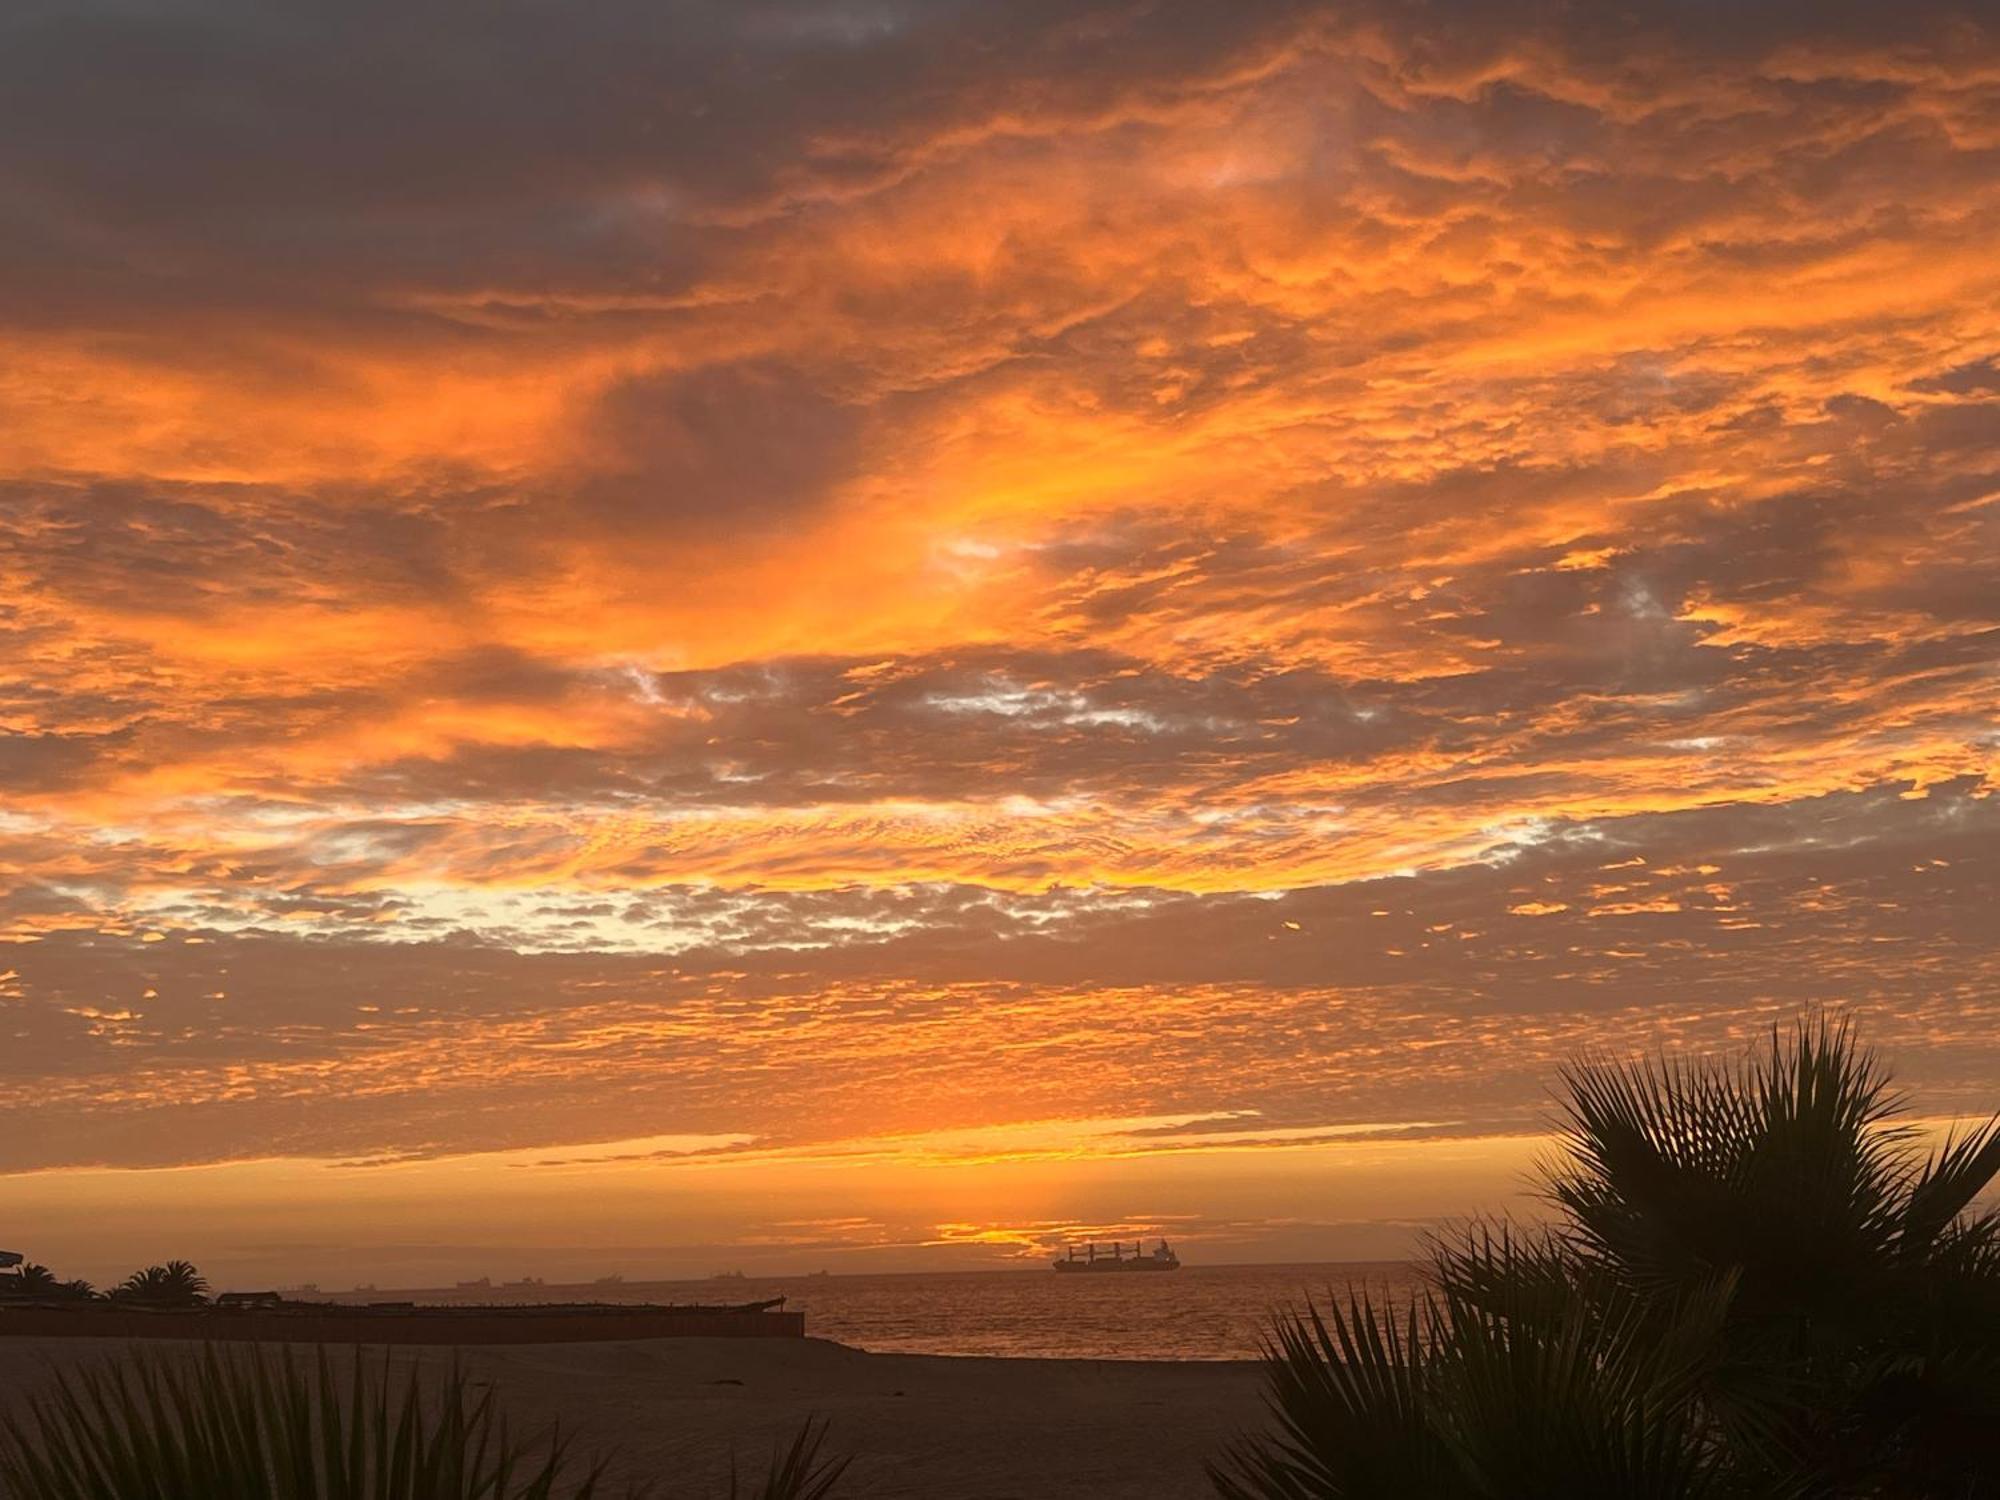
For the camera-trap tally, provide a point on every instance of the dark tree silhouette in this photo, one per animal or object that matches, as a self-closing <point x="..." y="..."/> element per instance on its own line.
<point x="176" y="1284"/>
<point x="40" y="1283"/>
<point x="29" y="1281"/>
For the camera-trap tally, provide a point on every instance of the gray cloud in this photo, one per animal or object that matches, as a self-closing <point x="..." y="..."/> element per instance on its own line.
<point x="730" y="448"/>
<point x="1520" y="517"/>
<point x="1692" y="927"/>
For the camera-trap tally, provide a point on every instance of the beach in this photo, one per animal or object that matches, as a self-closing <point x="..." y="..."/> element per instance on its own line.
<point x="940" y="1427"/>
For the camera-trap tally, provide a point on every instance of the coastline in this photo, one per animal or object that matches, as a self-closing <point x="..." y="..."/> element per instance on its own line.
<point x="921" y="1426"/>
<point x="1203" y="1311"/>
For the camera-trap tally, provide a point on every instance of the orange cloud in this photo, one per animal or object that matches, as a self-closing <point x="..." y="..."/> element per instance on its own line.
<point x="1040" y="494"/>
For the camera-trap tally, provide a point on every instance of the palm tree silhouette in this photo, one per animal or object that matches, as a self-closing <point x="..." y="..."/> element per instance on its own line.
<point x="40" y="1283"/>
<point x="176" y="1284"/>
<point x="1759" y="1284"/>
<point x="1862" y="1333"/>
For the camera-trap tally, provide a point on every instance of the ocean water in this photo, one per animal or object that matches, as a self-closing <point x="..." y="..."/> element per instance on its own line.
<point x="1197" y="1312"/>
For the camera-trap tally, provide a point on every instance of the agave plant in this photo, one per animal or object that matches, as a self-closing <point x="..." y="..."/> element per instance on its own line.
<point x="176" y="1284"/>
<point x="1758" y="1284"/>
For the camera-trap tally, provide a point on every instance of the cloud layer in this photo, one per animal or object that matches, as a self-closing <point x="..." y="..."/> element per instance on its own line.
<point x="758" y="569"/>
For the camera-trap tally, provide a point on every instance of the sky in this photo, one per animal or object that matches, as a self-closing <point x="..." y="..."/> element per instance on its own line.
<point x="878" y="635"/>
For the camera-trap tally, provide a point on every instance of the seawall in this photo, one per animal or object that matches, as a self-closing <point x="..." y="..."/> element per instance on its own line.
<point x="333" y="1325"/>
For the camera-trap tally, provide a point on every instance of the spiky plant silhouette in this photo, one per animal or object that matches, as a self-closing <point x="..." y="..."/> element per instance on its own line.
<point x="1535" y="1387"/>
<point x="800" y="1471"/>
<point x="247" y="1425"/>
<point x="1758" y="1283"/>
<point x="1863" y="1338"/>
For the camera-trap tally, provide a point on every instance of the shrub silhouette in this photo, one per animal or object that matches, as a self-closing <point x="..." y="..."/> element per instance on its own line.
<point x="1757" y="1284"/>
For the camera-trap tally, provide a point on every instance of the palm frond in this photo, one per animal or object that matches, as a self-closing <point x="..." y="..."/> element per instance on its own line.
<point x="1350" y="1391"/>
<point x="1756" y="1286"/>
<point x="1950" y="1179"/>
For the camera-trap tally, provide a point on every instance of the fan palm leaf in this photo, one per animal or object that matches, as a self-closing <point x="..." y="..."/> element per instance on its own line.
<point x="1755" y="1284"/>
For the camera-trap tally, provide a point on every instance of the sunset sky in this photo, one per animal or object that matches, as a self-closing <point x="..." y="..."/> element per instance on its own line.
<point x="645" y="636"/>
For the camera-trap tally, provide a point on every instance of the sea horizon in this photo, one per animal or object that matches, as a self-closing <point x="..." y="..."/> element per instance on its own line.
<point x="546" y="1283"/>
<point x="1201" y="1312"/>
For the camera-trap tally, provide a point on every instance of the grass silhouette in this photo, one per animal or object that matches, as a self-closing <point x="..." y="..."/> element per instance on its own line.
<point x="249" y="1425"/>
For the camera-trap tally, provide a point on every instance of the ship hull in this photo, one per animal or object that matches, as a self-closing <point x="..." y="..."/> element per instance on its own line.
<point x="1117" y="1265"/>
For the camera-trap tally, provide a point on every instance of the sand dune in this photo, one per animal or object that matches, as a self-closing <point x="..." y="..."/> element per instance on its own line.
<point x="920" y="1425"/>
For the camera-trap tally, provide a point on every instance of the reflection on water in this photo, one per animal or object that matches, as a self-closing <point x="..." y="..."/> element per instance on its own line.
<point x="1198" y="1312"/>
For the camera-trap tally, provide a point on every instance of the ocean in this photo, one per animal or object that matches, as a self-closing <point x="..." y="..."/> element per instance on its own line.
<point x="1197" y="1312"/>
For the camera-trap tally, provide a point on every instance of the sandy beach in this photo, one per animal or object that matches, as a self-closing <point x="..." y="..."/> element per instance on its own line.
<point x="937" y="1427"/>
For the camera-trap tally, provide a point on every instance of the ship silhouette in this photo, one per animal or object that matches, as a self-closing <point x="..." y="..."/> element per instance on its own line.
<point x="1162" y="1259"/>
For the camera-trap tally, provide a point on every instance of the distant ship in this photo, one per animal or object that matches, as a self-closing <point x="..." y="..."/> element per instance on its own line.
<point x="729" y="1276"/>
<point x="481" y="1285"/>
<point x="614" y="1279"/>
<point x="1162" y="1259"/>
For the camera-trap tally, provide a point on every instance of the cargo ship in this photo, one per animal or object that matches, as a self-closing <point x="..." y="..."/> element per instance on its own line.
<point x="1162" y="1259"/>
